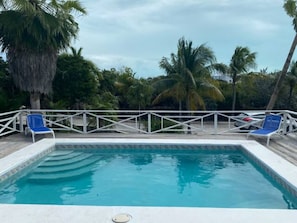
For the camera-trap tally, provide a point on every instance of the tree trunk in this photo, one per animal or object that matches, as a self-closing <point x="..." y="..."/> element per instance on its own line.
<point x="35" y="100"/>
<point x="282" y="76"/>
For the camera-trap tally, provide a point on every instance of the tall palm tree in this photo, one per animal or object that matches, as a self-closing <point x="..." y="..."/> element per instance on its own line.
<point x="290" y="7"/>
<point x="188" y="76"/>
<point x="241" y="61"/>
<point x="32" y="33"/>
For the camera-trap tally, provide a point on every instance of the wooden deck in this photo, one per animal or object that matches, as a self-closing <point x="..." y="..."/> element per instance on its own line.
<point x="284" y="145"/>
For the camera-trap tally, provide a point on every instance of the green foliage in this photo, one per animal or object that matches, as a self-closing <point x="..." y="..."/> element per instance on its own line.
<point x="76" y="82"/>
<point x="131" y="92"/>
<point x="108" y="80"/>
<point x="38" y="25"/>
<point x="226" y="89"/>
<point x="106" y="95"/>
<point x="124" y="81"/>
<point x="291" y="10"/>
<point x="254" y="90"/>
<point x="10" y="97"/>
<point x="139" y="94"/>
<point x="79" y="84"/>
<point x="106" y="101"/>
<point x="291" y="82"/>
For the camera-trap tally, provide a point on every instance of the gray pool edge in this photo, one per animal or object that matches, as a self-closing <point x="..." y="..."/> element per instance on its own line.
<point x="13" y="213"/>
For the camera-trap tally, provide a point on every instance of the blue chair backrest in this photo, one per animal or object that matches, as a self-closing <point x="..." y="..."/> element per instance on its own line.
<point x="35" y="121"/>
<point x="272" y="122"/>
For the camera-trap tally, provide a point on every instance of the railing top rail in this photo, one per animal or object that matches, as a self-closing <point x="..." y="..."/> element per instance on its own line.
<point x="10" y="113"/>
<point x="151" y="111"/>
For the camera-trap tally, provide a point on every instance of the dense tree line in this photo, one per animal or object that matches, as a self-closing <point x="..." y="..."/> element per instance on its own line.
<point x="79" y="84"/>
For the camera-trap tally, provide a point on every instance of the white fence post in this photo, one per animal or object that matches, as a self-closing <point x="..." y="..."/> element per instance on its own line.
<point x="85" y="124"/>
<point x="149" y="122"/>
<point x="215" y="123"/>
<point x="21" y="127"/>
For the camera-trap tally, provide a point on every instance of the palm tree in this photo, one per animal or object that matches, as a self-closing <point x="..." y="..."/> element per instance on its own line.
<point x="188" y="76"/>
<point x="241" y="61"/>
<point x="290" y="7"/>
<point x="32" y="33"/>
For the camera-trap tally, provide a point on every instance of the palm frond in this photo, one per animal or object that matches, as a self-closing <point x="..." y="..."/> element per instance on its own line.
<point x="195" y="101"/>
<point x="290" y="7"/>
<point x="220" y="67"/>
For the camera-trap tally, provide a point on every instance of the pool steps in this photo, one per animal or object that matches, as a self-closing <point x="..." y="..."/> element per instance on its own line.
<point x="62" y="162"/>
<point x="69" y="167"/>
<point x="63" y="165"/>
<point x="61" y="155"/>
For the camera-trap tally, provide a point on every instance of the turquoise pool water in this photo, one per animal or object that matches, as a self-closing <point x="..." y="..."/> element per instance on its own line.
<point x="148" y="177"/>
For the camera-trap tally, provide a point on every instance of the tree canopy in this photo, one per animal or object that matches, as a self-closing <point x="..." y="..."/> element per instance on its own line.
<point x="188" y="76"/>
<point x="76" y="81"/>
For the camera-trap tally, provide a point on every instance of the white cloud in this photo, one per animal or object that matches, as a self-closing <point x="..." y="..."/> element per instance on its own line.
<point x="138" y="33"/>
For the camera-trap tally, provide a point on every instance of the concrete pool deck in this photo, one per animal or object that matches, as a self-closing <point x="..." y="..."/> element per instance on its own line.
<point x="53" y="213"/>
<point x="92" y="214"/>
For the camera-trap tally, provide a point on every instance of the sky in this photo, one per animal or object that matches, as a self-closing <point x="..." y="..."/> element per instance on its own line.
<point x="138" y="33"/>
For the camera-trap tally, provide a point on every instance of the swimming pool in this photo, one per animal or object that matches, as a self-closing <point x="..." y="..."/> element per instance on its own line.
<point x="171" y="175"/>
<point x="286" y="175"/>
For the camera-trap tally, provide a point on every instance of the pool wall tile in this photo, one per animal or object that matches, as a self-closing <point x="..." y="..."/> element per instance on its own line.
<point x="17" y="170"/>
<point x="287" y="186"/>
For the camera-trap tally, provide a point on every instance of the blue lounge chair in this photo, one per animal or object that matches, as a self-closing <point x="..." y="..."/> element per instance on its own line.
<point x="36" y="125"/>
<point x="271" y="125"/>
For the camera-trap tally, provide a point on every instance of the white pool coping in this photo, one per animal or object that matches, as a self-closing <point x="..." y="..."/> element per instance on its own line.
<point x="16" y="213"/>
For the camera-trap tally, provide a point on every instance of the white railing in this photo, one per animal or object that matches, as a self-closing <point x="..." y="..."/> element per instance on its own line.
<point x="145" y="122"/>
<point x="10" y="122"/>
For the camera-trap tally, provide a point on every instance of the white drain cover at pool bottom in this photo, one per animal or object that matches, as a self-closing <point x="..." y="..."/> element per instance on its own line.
<point x="121" y="218"/>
